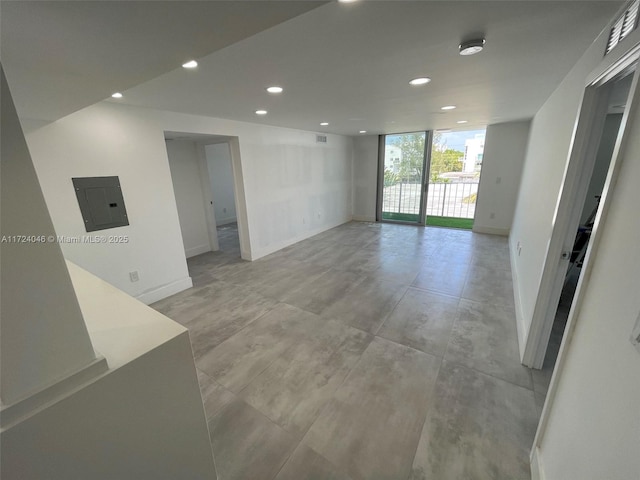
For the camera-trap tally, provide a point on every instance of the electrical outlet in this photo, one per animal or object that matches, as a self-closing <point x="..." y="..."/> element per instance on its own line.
<point x="133" y="276"/>
<point x="224" y="210"/>
<point x="492" y="215"/>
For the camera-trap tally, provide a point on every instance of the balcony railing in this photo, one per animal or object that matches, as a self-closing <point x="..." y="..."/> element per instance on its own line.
<point x="451" y="199"/>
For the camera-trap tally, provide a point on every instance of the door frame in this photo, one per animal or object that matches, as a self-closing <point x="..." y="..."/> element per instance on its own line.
<point x="426" y="165"/>
<point x="582" y="155"/>
<point x="616" y="67"/>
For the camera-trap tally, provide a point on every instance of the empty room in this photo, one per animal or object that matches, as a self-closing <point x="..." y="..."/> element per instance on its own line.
<point x="273" y="240"/>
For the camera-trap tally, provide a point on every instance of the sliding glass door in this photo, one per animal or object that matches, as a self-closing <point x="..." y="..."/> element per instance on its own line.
<point x="403" y="163"/>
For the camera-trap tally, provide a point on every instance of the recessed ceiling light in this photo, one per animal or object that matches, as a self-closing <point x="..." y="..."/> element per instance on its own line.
<point x="324" y="124"/>
<point x="471" y="47"/>
<point x="190" y="64"/>
<point x="420" y="81"/>
<point x="462" y="121"/>
<point x="448" y="107"/>
<point x="347" y="1"/>
<point x="363" y="131"/>
<point x="261" y="112"/>
<point x="275" y="89"/>
<point x="116" y="95"/>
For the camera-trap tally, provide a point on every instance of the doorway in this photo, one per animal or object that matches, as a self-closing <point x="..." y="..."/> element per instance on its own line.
<point x="588" y="177"/>
<point x="403" y="165"/>
<point x="220" y="170"/>
<point x="454" y="175"/>
<point x="206" y="173"/>
<point x="430" y="178"/>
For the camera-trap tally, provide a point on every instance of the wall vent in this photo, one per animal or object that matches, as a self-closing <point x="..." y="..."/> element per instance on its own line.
<point x="623" y="26"/>
<point x="323" y="138"/>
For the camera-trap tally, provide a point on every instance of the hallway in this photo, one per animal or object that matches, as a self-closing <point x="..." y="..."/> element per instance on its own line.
<point x="368" y="351"/>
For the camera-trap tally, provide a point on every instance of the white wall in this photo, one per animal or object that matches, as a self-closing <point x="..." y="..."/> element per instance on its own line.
<point x="365" y="177"/>
<point x="185" y="176"/>
<point x="294" y="188"/>
<point x="221" y="175"/>
<point x="504" y="153"/>
<point x="142" y="419"/>
<point x="44" y="338"/>
<point x="594" y="425"/>
<point x="546" y="160"/>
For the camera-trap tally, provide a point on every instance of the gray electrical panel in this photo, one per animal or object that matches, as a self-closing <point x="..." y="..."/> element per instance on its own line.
<point x="101" y="202"/>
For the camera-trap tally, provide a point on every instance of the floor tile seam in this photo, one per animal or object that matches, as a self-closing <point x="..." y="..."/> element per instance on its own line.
<point x="435" y="292"/>
<point x="453" y="362"/>
<point x="485" y="302"/>
<point x="328" y="402"/>
<point x="426" y="415"/>
<point x="269" y="310"/>
<point x="386" y="317"/>
<point x="417" y="350"/>
<point x="295" y="442"/>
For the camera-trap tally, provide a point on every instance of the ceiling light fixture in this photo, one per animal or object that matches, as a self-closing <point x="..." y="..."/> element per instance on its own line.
<point x="347" y="1"/>
<point x="324" y="124"/>
<point x="275" y="89"/>
<point x="419" y="81"/>
<point x="448" y="107"/>
<point x="471" y="47"/>
<point x="462" y="121"/>
<point x="116" y="95"/>
<point x="261" y="112"/>
<point x="190" y="64"/>
<point x="363" y="131"/>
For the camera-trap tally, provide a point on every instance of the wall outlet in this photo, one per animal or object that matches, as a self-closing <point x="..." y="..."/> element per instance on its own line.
<point x="133" y="276"/>
<point x="224" y="210"/>
<point x="492" y="215"/>
<point x="519" y="247"/>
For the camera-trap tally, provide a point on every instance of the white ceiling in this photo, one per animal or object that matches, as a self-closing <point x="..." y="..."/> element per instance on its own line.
<point x="348" y="64"/>
<point x="60" y="56"/>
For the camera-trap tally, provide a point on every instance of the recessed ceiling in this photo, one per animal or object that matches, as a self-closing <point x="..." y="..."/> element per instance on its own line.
<point x="349" y="65"/>
<point x="60" y="56"/>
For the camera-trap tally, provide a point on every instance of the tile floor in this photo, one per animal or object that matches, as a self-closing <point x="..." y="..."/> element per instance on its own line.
<point x="370" y="351"/>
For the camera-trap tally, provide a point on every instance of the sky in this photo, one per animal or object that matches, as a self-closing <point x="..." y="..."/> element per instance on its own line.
<point x="454" y="140"/>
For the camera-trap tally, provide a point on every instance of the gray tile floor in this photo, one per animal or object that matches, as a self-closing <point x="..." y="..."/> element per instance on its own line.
<point x="370" y="351"/>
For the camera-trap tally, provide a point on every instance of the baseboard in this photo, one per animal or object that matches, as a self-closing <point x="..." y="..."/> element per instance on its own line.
<point x="165" y="291"/>
<point x="521" y="330"/>
<point x="491" y="230"/>
<point x="363" y="218"/>
<point x="263" y="252"/>
<point x="200" y="249"/>
<point x="226" y="221"/>
<point x="537" y="472"/>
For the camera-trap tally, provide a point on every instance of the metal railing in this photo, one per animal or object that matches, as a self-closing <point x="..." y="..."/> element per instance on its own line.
<point x="451" y="199"/>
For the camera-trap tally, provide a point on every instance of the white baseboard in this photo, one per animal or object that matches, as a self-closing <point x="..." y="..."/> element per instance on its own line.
<point x="521" y="330"/>
<point x="363" y="218"/>
<point x="263" y="252"/>
<point x="200" y="249"/>
<point x="165" y="291"/>
<point x="226" y="221"/>
<point x="491" y="230"/>
<point x="537" y="472"/>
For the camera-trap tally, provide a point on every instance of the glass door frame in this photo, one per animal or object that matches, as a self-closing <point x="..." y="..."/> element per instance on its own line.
<point x="426" y="166"/>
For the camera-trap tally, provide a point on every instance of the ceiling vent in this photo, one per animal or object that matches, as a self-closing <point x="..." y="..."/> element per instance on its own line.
<point x="623" y="26"/>
<point x="323" y="138"/>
